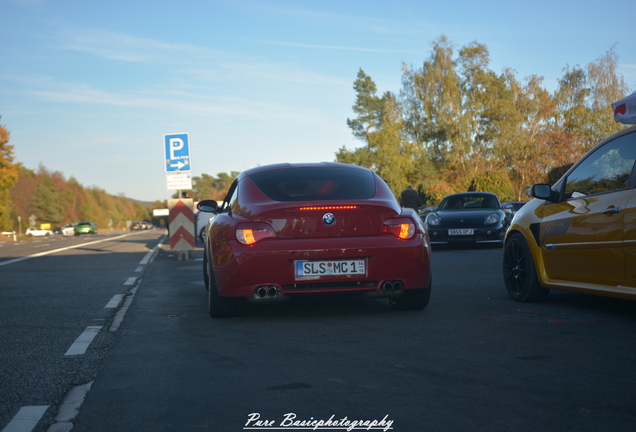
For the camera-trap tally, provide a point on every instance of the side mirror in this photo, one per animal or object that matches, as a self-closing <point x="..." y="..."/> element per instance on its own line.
<point x="541" y="191"/>
<point x="208" y="206"/>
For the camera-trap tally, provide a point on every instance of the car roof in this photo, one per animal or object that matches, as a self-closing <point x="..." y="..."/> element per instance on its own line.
<point x="281" y="166"/>
<point x="470" y="193"/>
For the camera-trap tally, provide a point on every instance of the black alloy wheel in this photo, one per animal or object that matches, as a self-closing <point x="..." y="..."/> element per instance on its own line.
<point x="520" y="274"/>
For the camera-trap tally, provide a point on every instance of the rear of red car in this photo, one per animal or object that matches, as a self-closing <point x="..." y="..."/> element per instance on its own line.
<point x="288" y="230"/>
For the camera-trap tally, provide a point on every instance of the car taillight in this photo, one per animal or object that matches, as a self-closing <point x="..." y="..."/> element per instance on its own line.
<point x="402" y="228"/>
<point x="250" y="233"/>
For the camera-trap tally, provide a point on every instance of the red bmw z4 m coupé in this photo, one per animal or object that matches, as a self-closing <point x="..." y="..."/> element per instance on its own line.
<point x="290" y="230"/>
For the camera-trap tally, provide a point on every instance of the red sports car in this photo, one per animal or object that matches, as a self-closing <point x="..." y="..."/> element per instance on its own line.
<point x="308" y="229"/>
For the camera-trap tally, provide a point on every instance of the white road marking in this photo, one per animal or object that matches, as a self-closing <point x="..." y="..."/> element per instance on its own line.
<point x="62" y="249"/>
<point x="26" y="419"/>
<point x="114" y="302"/>
<point x="149" y="255"/>
<point x="119" y="316"/>
<point x="72" y="402"/>
<point x="81" y="344"/>
<point x="130" y="281"/>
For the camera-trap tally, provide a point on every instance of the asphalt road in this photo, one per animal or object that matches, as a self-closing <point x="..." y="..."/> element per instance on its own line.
<point x="50" y="301"/>
<point x="473" y="360"/>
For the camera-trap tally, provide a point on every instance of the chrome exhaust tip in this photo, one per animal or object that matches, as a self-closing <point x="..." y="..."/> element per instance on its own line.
<point x="266" y="294"/>
<point x="392" y="286"/>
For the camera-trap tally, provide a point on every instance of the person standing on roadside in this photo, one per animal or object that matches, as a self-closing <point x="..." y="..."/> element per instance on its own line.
<point x="410" y="198"/>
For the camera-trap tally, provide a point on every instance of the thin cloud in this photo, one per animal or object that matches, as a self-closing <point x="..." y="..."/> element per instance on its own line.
<point x="182" y="102"/>
<point x="120" y="46"/>
<point x="251" y="71"/>
<point x="326" y="47"/>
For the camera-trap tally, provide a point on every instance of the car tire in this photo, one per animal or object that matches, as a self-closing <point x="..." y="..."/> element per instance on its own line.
<point x="206" y="279"/>
<point x="415" y="299"/>
<point x="221" y="307"/>
<point x="520" y="274"/>
<point x="202" y="234"/>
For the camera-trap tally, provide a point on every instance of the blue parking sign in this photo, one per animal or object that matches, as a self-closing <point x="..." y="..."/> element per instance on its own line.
<point x="177" y="154"/>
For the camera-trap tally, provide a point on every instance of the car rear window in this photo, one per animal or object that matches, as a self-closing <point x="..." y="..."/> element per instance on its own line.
<point x="463" y="202"/>
<point x="315" y="184"/>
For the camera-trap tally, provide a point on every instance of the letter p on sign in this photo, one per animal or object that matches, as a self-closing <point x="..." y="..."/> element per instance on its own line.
<point x="175" y="144"/>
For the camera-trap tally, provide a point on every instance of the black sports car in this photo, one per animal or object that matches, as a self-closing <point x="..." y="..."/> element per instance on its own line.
<point x="469" y="217"/>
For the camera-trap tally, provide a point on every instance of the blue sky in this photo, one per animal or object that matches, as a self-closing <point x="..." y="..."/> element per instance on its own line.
<point x="90" y="88"/>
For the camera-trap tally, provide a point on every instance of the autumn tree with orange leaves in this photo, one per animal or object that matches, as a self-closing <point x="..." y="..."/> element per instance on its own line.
<point x="8" y="178"/>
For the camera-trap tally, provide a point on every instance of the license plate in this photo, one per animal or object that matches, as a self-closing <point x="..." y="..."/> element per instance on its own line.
<point x="463" y="231"/>
<point x="330" y="268"/>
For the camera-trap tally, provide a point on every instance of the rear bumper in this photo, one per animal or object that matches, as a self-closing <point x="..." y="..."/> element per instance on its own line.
<point x="240" y="270"/>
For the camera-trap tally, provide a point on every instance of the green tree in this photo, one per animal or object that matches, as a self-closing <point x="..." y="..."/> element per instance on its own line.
<point x="368" y="106"/>
<point x="496" y="182"/>
<point x="477" y="82"/>
<point x="435" y="190"/>
<point x="432" y="100"/>
<point x="8" y="178"/>
<point x="522" y="143"/>
<point x="392" y="154"/>
<point x="210" y="187"/>
<point x="570" y="130"/>
<point x="388" y="151"/>
<point x="606" y="86"/>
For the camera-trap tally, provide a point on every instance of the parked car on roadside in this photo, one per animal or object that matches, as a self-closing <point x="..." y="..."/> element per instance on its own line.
<point x="85" y="228"/>
<point x="579" y="234"/>
<point x="511" y="208"/>
<point x="201" y="220"/>
<point x="37" y="232"/>
<point x="313" y="229"/>
<point x="68" y="229"/>
<point x="423" y="212"/>
<point x="468" y="217"/>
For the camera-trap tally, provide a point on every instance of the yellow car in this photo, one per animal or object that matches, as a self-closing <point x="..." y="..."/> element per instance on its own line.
<point x="579" y="234"/>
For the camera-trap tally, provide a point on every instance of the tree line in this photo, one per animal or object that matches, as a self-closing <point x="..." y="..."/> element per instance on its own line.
<point x="44" y="197"/>
<point x="455" y="125"/>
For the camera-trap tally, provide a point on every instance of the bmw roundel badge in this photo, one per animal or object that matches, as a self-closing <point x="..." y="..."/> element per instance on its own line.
<point x="328" y="219"/>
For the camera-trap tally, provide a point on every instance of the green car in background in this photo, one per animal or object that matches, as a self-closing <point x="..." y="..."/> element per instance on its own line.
<point x="85" y="228"/>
